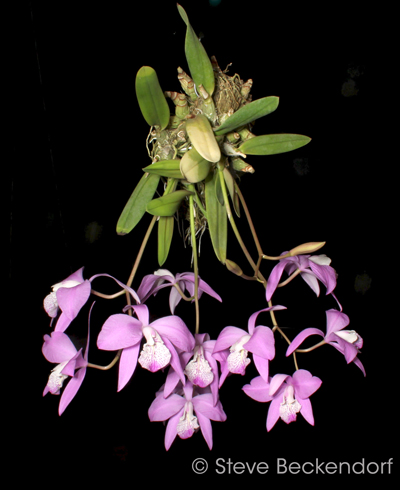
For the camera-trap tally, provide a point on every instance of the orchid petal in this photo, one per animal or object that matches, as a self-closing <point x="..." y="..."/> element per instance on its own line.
<point x="228" y="337"/>
<point x="274" y="278"/>
<point x="305" y="384"/>
<point x="164" y="408"/>
<point x="119" y="332"/>
<point x="261" y="343"/>
<point x="306" y="410"/>
<point x="311" y="280"/>
<point x="127" y="364"/>
<point x="71" y="389"/>
<point x="176" y="331"/>
<point x="206" y="429"/>
<point x="258" y="389"/>
<point x="335" y="320"/>
<point x="273" y="413"/>
<point x="172" y="429"/>
<point x="58" y="348"/>
<point x="299" y="339"/>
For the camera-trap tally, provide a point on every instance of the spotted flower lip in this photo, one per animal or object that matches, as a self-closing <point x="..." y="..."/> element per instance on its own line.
<point x="59" y="349"/>
<point x="185" y="411"/>
<point x="234" y="343"/>
<point x="124" y="332"/>
<point x="163" y="278"/>
<point x="312" y="269"/>
<point x="288" y="395"/>
<point x="347" y="342"/>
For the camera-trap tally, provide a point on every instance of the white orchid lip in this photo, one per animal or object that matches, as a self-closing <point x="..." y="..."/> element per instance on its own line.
<point x="289" y="406"/>
<point x="198" y="370"/>
<point x="350" y="336"/>
<point x="56" y="378"/>
<point x="65" y="284"/>
<point x="187" y="424"/>
<point x="154" y="355"/>
<point x="237" y="359"/>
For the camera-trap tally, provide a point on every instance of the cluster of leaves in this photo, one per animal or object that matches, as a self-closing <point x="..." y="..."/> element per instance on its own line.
<point x="200" y="149"/>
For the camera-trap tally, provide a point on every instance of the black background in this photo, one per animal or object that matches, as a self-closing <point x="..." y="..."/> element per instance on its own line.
<point x="79" y="146"/>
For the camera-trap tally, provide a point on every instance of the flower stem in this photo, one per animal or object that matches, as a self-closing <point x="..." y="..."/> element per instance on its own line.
<point x="195" y="264"/>
<point x="109" y="366"/>
<point x="138" y="258"/>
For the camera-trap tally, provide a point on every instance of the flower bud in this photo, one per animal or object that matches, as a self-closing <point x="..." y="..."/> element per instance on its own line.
<point x="306" y="248"/>
<point x="231" y="266"/>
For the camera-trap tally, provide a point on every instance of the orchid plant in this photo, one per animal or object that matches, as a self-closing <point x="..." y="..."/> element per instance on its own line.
<point x="197" y="162"/>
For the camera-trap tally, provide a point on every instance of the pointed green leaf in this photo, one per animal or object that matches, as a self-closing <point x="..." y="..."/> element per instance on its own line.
<point x="248" y="113"/>
<point x="199" y="63"/>
<point x="230" y="184"/>
<point x="151" y="98"/>
<point x="165" y="168"/>
<point x="217" y="218"/>
<point x="167" y="205"/>
<point x="194" y="167"/>
<point x="271" y="144"/>
<point x="202" y="137"/>
<point x="136" y="205"/>
<point x="165" y="232"/>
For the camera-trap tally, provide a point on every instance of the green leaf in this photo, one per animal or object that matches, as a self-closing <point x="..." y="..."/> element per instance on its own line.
<point x="200" y="66"/>
<point x="248" y="113"/>
<point x="194" y="167"/>
<point x="202" y="137"/>
<point x="167" y="205"/>
<point x="165" y="232"/>
<point x="271" y="144"/>
<point x="230" y="184"/>
<point x="136" y="205"/>
<point x="151" y="98"/>
<point x="165" y="168"/>
<point x="217" y="218"/>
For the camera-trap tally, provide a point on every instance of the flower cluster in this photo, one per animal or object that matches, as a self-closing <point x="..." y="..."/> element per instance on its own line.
<point x="190" y="396"/>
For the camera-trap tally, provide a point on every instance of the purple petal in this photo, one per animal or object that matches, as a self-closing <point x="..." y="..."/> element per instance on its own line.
<point x="253" y="317"/>
<point x="258" y="389"/>
<point x="274" y="278"/>
<point x="273" y="413"/>
<point x="299" y="339"/>
<point x="71" y="300"/>
<point x="262" y="366"/>
<point x="276" y="383"/>
<point x="206" y="429"/>
<point x="326" y="274"/>
<point x="164" y="408"/>
<point x="119" y="331"/>
<point x="175" y="360"/>
<point x="311" y="280"/>
<point x="305" y="384"/>
<point x="176" y="331"/>
<point x="124" y="286"/>
<point x="228" y="337"/>
<point x="262" y="343"/>
<point x="71" y="389"/>
<point x="172" y="429"/>
<point x="306" y="409"/>
<point x="335" y="320"/>
<point x="127" y="365"/>
<point x="204" y="405"/>
<point x="142" y="313"/>
<point x="58" y="348"/>
<point x="174" y="299"/>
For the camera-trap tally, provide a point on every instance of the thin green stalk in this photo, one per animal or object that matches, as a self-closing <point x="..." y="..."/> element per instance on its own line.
<point x="195" y="264"/>
<point x="138" y="258"/>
